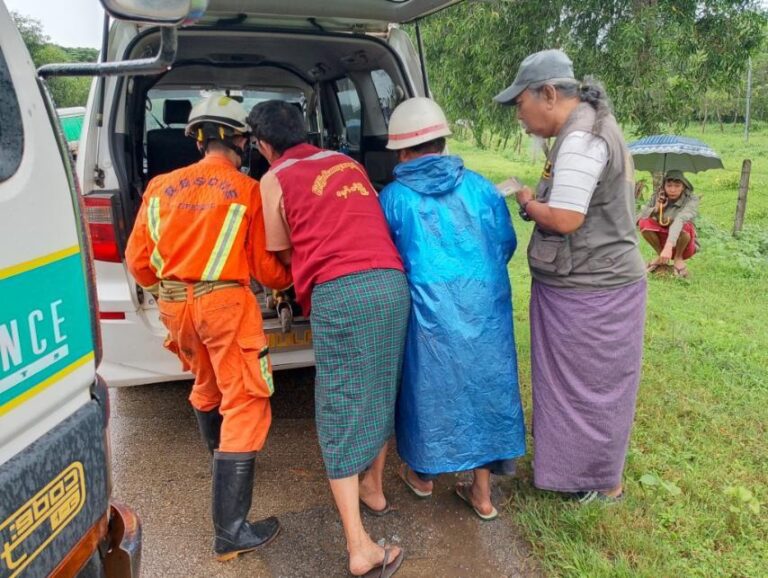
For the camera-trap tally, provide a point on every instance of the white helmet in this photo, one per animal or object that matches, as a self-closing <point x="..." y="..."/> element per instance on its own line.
<point x="227" y="114"/>
<point x="416" y="121"/>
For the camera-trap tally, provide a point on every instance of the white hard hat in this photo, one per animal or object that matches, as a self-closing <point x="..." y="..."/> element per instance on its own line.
<point x="221" y="110"/>
<point x="416" y="121"/>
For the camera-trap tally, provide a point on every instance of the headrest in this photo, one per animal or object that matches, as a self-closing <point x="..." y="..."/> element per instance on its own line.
<point x="176" y="111"/>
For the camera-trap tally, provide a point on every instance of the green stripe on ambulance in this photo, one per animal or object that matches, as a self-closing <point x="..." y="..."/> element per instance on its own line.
<point x="44" y="325"/>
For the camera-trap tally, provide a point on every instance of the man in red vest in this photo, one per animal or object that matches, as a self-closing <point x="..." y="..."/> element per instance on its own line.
<point x="322" y="217"/>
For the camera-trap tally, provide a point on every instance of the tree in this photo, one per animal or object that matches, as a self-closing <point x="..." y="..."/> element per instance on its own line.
<point x="760" y="86"/>
<point x="81" y="54"/>
<point x="31" y="31"/>
<point x="65" y="91"/>
<point x="655" y="56"/>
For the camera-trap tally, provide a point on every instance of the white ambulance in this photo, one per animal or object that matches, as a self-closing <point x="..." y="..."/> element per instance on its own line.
<point x="344" y="63"/>
<point x="56" y="517"/>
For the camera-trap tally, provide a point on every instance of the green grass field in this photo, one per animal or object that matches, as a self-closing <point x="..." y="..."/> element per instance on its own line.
<point x="697" y="471"/>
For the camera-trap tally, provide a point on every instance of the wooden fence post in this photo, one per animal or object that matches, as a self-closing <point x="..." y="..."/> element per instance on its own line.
<point x="741" y="204"/>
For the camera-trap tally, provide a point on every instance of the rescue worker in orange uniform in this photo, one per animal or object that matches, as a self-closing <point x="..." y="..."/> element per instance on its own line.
<point x="198" y="239"/>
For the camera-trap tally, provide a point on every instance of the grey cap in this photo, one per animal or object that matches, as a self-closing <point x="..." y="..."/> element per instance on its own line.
<point x="541" y="66"/>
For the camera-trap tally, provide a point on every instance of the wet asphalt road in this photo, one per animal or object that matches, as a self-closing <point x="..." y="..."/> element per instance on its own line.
<point x="162" y="470"/>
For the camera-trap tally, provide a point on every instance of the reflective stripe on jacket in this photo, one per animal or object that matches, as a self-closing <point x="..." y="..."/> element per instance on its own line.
<point x="202" y="223"/>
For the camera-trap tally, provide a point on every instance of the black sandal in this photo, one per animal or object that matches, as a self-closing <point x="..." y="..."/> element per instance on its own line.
<point x="378" y="513"/>
<point x="593" y="495"/>
<point x="387" y="568"/>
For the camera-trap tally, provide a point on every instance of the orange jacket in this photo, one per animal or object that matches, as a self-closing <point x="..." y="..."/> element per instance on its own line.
<point x="203" y="222"/>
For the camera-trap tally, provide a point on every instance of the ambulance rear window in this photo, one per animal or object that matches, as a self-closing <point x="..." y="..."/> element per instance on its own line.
<point x="351" y="110"/>
<point x="386" y="91"/>
<point x="11" y="128"/>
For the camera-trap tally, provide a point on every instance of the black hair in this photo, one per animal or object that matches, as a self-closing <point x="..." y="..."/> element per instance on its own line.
<point x="278" y="123"/>
<point x="435" y="146"/>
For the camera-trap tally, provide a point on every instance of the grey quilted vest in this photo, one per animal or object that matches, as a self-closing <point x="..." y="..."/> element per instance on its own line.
<point x="603" y="252"/>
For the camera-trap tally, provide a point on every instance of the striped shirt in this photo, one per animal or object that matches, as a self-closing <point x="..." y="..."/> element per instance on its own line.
<point x="580" y="162"/>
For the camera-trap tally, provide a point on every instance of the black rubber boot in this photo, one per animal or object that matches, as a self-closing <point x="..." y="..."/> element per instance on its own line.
<point x="232" y="492"/>
<point x="209" y="423"/>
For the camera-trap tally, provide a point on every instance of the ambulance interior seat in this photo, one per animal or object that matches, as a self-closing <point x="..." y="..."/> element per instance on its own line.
<point x="259" y="165"/>
<point x="168" y="148"/>
<point x="379" y="162"/>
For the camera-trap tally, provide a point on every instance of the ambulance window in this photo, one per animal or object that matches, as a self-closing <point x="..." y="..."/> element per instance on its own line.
<point x="351" y="110"/>
<point x="387" y="92"/>
<point x="11" y="128"/>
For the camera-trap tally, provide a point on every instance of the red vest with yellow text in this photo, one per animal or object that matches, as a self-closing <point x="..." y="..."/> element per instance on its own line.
<point x="336" y="222"/>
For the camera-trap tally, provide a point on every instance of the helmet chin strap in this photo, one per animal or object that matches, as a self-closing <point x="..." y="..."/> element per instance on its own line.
<point x="243" y="152"/>
<point x="238" y="150"/>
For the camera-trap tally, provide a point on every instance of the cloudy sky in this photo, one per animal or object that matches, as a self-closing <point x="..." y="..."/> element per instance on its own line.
<point x="67" y="22"/>
<point x="76" y="22"/>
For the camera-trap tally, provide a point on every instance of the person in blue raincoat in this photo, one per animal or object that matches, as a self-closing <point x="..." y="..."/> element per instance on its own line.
<point x="459" y="405"/>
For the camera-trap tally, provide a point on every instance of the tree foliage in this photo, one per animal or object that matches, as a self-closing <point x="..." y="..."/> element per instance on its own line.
<point x="65" y="91"/>
<point x="656" y="57"/>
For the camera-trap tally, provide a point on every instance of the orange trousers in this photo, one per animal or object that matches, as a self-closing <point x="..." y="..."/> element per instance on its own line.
<point x="220" y="337"/>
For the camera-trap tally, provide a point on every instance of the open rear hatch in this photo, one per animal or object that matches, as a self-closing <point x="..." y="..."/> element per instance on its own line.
<point x="332" y="15"/>
<point x="228" y="27"/>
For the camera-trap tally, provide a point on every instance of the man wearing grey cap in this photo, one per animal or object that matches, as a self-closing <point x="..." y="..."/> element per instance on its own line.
<point x="588" y="291"/>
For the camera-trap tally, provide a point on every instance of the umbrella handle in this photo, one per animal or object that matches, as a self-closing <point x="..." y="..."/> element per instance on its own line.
<point x="662" y="202"/>
<point x="662" y="221"/>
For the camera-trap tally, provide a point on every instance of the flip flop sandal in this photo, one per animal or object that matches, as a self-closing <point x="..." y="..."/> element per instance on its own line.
<point x="387" y="568"/>
<point x="383" y="512"/>
<point x="682" y="273"/>
<point x="461" y="492"/>
<point x="416" y="491"/>
<point x="593" y="495"/>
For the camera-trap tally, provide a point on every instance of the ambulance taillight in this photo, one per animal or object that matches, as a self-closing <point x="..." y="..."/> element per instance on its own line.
<point x="99" y="214"/>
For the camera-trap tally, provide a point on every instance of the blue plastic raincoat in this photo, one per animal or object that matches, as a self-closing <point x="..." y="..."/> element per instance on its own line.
<point x="459" y="404"/>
